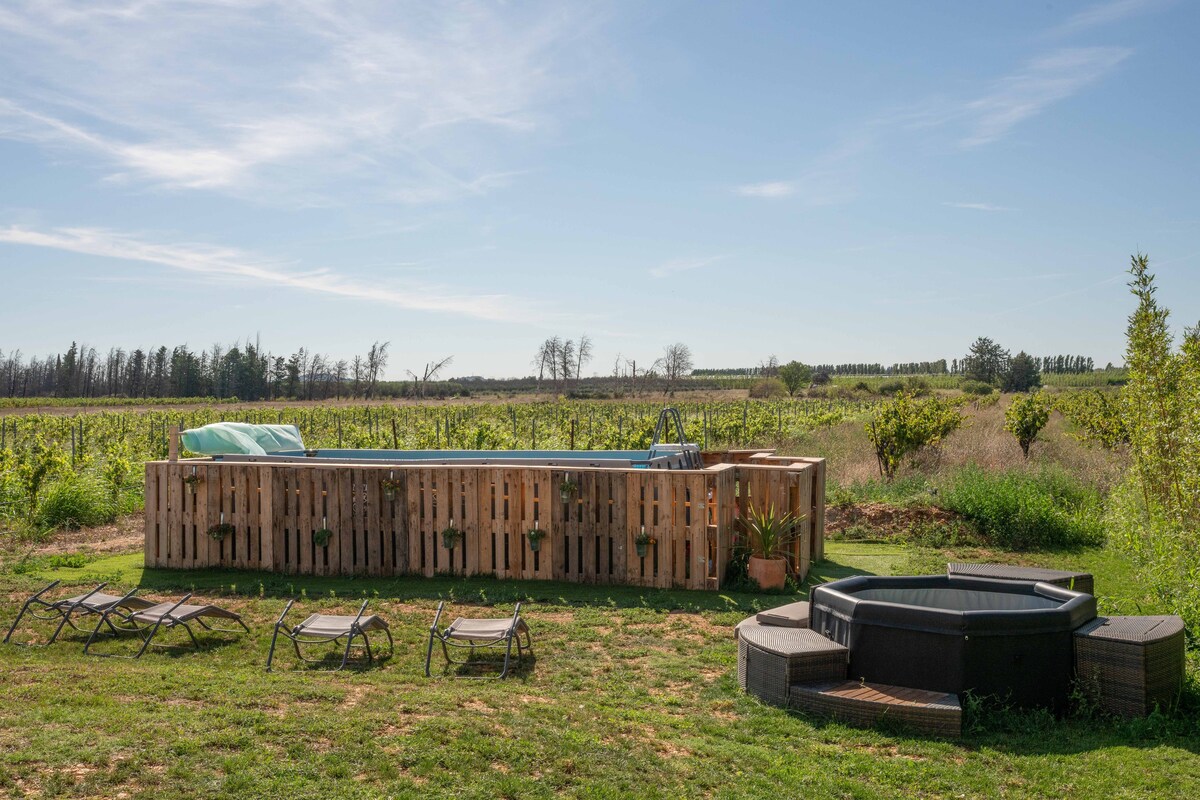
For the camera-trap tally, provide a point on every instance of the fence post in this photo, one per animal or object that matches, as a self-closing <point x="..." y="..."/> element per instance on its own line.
<point x="173" y="444"/>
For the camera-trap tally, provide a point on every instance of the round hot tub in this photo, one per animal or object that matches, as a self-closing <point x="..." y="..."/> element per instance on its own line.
<point x="1008" y="639"/>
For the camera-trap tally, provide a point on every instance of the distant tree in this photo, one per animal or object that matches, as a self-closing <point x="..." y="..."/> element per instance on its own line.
<point x="432" y="370"/>
<point x="1023" y="373"/>
<point x="377" y="358"/>
<point x="986" y="362"/>
<point x="795" y="376"/>
<point x="675" y="363"/>
<point x="582" y="355"/>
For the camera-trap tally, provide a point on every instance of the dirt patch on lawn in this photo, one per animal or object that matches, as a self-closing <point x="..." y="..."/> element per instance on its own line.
<point x="125" y="535"/>
<point x="885" y="521"/>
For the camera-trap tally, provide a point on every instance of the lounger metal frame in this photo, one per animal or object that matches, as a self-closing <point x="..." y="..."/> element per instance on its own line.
<point x="298" y="636"/>
<point x="511" y="635"/>
<point x="62" y="610"/>
<point x="128" y="623"/>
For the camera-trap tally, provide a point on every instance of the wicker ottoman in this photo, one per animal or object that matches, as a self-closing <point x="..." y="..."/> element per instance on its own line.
<point x="1075" y="581"/>
<point x="793" y="615"/>
<point x="1129" y="665"/>
<point x="771" y="659"/>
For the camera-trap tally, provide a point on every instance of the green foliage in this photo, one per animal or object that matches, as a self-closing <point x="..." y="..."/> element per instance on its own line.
<point x="987" y="361"/>
<point x="1025" y="418"/>
<point x="42" y="461"/>
<point x="891" y="387"/>
<point x="1161" y="407"/>
<point x="901" y="427"/>
<point x="795" y="376"/>
<point x="768" y="388"/>
<point x="117" y="468"/>
<point x="1023" y="373"/>
<point x="1097" y="416"/>
<point x="1022" y="510"/>
<point x="908" y="490"/>
<point x="75" y="502"/>
<point x="770" y="532"/>
<point x="977" y="388"/>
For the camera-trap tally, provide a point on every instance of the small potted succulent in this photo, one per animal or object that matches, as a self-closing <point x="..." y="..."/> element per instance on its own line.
<point x="321" y="536"/>
<point x="769" y="533"/>
<point x="450" y="536"/>
<point x="642" y="542"/>
<point x="220" y="531"/>
<point x="535" y="536"/>
<point x="567" y="488"/>
<point x="391" y="486"/>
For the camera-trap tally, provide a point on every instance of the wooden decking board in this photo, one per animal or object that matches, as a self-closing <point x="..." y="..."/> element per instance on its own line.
<point x="859" y="703"/>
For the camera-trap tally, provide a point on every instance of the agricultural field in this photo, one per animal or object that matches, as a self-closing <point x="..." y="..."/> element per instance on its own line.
<point x="88" y="464"/>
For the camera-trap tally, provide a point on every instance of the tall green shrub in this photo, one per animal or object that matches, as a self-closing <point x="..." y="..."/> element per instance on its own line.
<point x="1159" y="511"/>
<point x="1025" y="418"/>
<point x="902" y="426"/>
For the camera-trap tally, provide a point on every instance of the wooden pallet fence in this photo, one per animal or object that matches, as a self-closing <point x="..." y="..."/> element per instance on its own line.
<point x="388" y="520"/>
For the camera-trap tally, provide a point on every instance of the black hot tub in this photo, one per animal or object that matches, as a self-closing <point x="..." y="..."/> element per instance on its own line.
<point x="946" y="633"/>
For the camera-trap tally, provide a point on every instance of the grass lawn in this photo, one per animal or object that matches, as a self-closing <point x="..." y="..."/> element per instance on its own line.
<point x="631" y="693"/>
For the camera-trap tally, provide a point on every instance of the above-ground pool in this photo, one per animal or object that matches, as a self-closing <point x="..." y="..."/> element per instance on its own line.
<point x="659" y="456"/>
<point x="1008" y="639"/>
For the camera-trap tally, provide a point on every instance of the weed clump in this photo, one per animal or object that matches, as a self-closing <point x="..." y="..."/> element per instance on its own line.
<point x="1027" y="510"/>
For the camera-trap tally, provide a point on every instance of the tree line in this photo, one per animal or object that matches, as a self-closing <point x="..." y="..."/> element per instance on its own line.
<point x="242" y="370"/>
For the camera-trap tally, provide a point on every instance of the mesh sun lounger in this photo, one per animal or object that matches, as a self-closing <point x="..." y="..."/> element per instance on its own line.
<point x="473" y="634"/>
<point x="322" y="628"/>
<point x="146" y="622"/>
<point x="93" y="602"/>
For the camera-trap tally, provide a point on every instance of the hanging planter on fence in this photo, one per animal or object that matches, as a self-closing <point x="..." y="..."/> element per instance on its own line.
<point x="567" y="488"/>
<point x="535" y="537"/>
<point x="221" y="530"/>
<point x="450" y="536"/>
<point x="642" y="542"/>
<point x="390" y="486"/>
<point x="321" y="536"/>
<point x="191" y="480"/>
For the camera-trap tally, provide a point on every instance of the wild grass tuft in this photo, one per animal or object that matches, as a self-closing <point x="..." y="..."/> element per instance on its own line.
<point x="1020" y="510"/>
<point x="75" y="502"/>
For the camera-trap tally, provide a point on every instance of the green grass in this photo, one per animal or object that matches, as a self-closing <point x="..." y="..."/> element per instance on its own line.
<point x="632" y="693"/>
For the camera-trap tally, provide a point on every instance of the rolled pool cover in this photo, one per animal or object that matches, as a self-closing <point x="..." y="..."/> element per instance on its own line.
<point x="241" y="438"/>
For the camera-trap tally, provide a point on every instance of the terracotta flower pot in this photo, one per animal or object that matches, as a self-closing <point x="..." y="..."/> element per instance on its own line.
<point x="770" y="573"/>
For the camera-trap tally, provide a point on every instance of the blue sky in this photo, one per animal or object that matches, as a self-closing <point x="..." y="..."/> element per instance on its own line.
<point x="821" y="181"/>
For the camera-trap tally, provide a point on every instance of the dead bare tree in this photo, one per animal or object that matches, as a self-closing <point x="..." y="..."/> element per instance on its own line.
<point x="431" y="372"/>
<point x="676" y="362"/>
<point x="377" y="358"/>
<point x="582" y="356"/>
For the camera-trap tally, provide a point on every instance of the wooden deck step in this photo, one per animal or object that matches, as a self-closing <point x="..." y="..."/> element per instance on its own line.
<point x="865" y="704"/>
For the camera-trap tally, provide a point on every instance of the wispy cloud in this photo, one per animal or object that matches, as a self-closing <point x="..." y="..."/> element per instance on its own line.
<point x="828" y="179"/>
<point x="978" y="206"/>
<point x="1040" y="83"/>
<point x="769" y="189"/>
<point x="1107" y="13"/>
<point x="231" y="263"/>
<point x="288" y="100"/>
<point x="678" y="265"/>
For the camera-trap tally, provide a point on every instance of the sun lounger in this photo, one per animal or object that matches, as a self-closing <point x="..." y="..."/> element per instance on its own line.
<point x="93" y="602"/>
<point x="323" y="628"/>
<point x="147" y="622"/>
<point x="473" y="634"/>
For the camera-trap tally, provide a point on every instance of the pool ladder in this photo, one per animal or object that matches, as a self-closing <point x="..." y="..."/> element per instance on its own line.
<point x="690" y="453"/>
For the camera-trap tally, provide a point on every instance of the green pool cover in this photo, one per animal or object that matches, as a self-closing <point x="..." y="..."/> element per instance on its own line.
<point x="241" y="438"/>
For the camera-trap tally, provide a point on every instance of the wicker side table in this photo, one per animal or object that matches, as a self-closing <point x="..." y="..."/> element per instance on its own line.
<point x="771" y="659"/>
<point x="1075" y="581"/>
<point x="1129" y="665"/>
